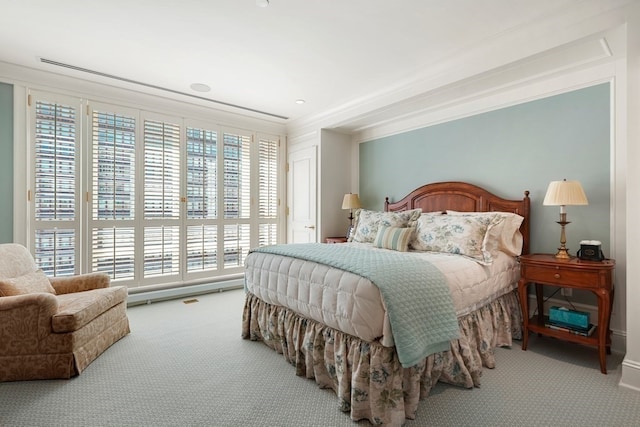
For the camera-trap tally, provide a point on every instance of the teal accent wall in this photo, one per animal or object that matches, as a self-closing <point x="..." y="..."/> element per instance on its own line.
<point x="507" y="151"/>
<point x="6" y="163"/>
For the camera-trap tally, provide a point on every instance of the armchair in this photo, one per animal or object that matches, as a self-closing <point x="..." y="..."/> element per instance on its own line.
<point x="54" y="327"/>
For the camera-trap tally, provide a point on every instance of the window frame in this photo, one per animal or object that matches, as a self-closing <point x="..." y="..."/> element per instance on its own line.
<point x="85" y="223"/>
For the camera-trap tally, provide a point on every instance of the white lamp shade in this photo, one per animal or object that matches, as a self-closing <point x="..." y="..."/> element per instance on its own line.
<point x="565" y="193"/>
<point x="350" y="201"/>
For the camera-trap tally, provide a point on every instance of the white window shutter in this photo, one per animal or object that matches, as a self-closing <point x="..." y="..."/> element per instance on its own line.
<point x="55" y="227"/>
<point x="113" y="191"/>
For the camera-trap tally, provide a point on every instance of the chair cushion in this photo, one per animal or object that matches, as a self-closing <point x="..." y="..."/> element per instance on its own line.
<point x="30" y="283"/>
<point x="79" y="308"/>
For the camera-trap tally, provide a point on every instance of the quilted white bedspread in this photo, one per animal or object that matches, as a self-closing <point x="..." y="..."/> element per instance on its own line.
<point x="352" y="304"/>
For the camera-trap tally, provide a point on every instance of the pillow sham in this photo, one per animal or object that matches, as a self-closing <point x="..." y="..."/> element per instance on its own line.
<point x="394" y="238"/>
<point x="455" y="234"/>
<point x="35" y="282"/>
<point x="506" y="235"/>
<point x="368" y="222"/>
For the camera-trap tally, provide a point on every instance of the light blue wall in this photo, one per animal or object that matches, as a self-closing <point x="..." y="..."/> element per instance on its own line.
<point x="507" y="151"/>
<point x="6" y="163"/>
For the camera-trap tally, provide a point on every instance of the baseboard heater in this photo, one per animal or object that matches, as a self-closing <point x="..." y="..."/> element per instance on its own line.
<point x="147" y="297"/>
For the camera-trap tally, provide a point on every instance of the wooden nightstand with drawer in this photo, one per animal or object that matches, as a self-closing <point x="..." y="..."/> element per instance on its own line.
<point x="594" y="276"/>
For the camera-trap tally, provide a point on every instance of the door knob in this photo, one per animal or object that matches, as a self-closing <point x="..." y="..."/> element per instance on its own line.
<point x="310" y="226"/>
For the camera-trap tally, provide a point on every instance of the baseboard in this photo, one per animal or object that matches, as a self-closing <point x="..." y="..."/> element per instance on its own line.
<point x="618" y="337"/>
<point x="184" y="291"/>
<point x="630" y="375"/>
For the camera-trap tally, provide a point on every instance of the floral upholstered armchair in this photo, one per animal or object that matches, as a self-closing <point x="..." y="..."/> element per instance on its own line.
<point x="54" y="327"/>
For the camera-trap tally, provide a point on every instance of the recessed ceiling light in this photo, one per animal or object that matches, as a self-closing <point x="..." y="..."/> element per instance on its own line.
<point x="200" y="87"/>
<point x="300" y="101"/>
<point x="262" y="3"/>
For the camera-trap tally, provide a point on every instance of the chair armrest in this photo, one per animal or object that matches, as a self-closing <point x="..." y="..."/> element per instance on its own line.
<point x="26" y="319"/>
<point x="80" y="283"/>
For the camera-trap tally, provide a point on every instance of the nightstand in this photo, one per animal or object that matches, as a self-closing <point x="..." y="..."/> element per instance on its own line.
<point x="594" y="276"/>
<point x="336" y="240"/>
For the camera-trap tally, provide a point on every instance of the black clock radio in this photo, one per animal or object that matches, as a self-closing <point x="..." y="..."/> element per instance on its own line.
<point x="590" y="250"/>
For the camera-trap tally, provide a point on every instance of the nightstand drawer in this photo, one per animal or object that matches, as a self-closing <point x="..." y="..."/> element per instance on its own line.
<point x="561" y="276"/>
<point x="336" y="239"/>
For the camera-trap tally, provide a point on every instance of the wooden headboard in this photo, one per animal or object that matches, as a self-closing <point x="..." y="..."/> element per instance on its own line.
<point x="463" y="197"/>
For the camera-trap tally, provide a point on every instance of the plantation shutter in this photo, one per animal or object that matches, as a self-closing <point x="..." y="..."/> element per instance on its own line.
<point x="237" y="175"/>
<point x="161" y="201"/>
<point x="113" y="173"/>
<point x="202" y="199"/>
<point x="161" y="170"/>
<point x="147" y="198"/>
<point x="267" y="191"/>
<point x="237" y="197"/>
<point x="55" y="186"/>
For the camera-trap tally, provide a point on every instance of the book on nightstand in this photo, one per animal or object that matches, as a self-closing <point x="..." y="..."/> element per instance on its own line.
<point x="586" y="332"/>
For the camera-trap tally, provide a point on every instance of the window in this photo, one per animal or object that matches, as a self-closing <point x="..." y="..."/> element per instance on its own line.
<point x="54" y="217"/>
<point x="202" y="200"/>
<point x="237" y="197"/>
<point x="147" y="198"/>
<point x="267" y="191"/>
<point x="113" y="185"/>
<point x="237" y="175"/>
<point x="202" y="173"/>
<point x="161" y="198"/>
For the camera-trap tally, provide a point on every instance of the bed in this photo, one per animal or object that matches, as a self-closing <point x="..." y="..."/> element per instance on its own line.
<point x="335" y="326"/>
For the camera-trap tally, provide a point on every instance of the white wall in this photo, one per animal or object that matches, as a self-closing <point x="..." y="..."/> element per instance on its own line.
<point x="335" y="166"/>
<point x="631" y="364"/>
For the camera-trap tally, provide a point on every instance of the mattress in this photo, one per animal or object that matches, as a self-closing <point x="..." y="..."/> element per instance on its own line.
<point x="353" y="305"/>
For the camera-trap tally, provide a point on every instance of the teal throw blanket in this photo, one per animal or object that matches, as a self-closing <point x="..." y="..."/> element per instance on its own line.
<point x="415" y="293"/>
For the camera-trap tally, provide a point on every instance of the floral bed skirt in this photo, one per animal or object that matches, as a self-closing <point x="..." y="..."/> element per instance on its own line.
<point x="367" y="377"/>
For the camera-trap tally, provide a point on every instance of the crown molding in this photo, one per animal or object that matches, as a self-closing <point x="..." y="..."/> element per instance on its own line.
<point x="539" y="44"/>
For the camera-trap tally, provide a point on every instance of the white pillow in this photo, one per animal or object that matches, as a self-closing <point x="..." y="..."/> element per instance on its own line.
<point x="505" y="235"/>
<point x="368" y="222"/>
<point x="455" y="234"/>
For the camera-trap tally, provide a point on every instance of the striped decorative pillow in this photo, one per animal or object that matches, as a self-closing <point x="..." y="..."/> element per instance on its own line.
<point x="394" y="238"/>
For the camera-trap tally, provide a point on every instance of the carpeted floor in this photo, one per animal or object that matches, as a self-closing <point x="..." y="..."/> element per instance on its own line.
<point x="186" y="365"/>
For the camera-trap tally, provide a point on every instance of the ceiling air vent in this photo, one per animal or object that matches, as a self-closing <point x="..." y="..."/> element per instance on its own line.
<point x="124" y="79"/>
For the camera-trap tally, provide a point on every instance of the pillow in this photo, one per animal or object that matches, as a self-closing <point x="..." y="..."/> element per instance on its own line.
<point x="506" y="233"/>
<point x="34" y="282"/>
<point x="433" y="213"/>
<point x="394" y="238"/>
<point x="368" y="222"/>
<point x="29" y="283"/>
<point x="455" y="234"/>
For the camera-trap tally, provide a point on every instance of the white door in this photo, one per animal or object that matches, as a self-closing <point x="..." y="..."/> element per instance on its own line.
<point x="301" y="196"/>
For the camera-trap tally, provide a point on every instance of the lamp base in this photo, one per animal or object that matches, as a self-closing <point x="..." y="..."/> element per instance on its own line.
<point x="563" y="253"/>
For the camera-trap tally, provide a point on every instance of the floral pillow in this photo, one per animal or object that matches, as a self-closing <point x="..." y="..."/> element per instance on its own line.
<point x="505" y="235"/>
<point x="455" y="234"/>
<point x="368" y="222"/>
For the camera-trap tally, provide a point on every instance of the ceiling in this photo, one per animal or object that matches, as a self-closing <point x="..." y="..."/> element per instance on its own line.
<point x="331" y="53"/>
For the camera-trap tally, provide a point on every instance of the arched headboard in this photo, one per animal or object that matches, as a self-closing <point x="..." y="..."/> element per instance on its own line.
<point x="463" y="197"/>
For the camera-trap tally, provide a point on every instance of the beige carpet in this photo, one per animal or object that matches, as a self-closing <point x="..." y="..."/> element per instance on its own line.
<point x="186" y="365"/>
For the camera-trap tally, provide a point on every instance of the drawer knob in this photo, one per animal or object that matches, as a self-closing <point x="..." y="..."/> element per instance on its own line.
<point x="557" y="276"/>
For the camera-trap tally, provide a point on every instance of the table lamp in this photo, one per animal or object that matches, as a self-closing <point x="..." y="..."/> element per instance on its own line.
<point x="564" y="193"/>
<point x="351" y="202"/>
